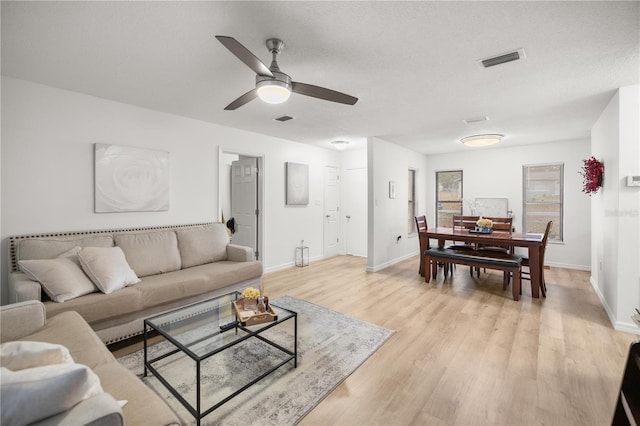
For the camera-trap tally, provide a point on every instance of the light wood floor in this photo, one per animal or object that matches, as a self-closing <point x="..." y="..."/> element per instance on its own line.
<point x="463" y="351"/>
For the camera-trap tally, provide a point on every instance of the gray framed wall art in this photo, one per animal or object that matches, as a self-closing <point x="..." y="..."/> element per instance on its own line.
<point x="129" y="179"/>
<point x="297" y="184"/>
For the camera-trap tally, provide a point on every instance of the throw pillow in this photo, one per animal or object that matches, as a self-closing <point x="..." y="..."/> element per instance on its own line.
<point x="34" y="394"/>
<point x="20" y="355"/>
<point x="107" y="268"/>
<point x="61" y="278"/>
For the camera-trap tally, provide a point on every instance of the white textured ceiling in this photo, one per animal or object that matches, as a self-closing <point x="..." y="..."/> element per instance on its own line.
<point x="413" y="65"/>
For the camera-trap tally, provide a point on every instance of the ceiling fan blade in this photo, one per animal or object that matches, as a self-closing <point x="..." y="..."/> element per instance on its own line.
<point x="246" y="98"/>
<point x="322" y="93"/>
<point x="245" y="55"/>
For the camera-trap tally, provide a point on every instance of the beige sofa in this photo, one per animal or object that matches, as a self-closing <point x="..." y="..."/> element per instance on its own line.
<point x="26" y="321"/>
<point x="177" y="265"/>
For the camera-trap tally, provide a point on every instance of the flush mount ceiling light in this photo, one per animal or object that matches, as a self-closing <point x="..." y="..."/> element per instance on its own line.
<point x="481" y="140"/>
<point x="340" y="144"/>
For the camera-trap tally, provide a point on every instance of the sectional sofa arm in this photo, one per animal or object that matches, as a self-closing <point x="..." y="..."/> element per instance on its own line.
<point x="236" y="253"/>
<point x="22" y="288"/>
<point x="100" y="410"/>
<point x="21" y="319"/>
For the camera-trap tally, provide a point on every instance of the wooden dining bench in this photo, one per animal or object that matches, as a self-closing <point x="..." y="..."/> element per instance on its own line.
<point x="505" y="262"/>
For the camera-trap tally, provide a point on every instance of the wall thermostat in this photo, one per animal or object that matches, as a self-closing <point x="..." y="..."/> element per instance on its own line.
<point x="633" y="180"/>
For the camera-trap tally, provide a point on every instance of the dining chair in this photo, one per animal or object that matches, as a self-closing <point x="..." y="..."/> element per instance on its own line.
<point x="526" y="275"/>
<point x="500" y="224"/>
<point x="421" y="226"/>
<point x="465" y="223"/>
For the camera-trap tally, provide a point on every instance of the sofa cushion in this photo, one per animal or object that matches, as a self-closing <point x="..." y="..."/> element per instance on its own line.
<point x="50" y="247"/>
<point x="61" y="278"/>
<point x="159" y="289"/>
<point x="27" y="354"/>
<point x="145" y="407"/>
<point x="71" y="331"/>
<point x="107" y="268"/>
<point x="202" y="244"/>
<point x="96" y="307"/>
<point x="150" y="253"/>
<point x="34" y="394"/>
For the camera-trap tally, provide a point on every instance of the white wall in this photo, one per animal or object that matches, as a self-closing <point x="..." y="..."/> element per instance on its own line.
<point x="388" y="217"/>
<point x="615" y="252"/>
<point x="497" y="172"/>
<point x="47" y="168"/>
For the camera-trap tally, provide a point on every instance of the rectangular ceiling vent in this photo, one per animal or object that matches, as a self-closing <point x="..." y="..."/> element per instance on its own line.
<point x="476" y="119"/>
<point x="516" y="55"/>
<point x="283" y="118"/>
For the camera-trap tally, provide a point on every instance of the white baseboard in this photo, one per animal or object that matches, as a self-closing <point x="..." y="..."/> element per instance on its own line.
<point x="628" y="327"/>
<point x="381" y="266"/>
<point x="289" y="265"/>
<point x="569" y="266"/>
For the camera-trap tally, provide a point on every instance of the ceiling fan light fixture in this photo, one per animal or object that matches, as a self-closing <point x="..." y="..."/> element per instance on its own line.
<point x="482" y="140"/>
<point x="273" y="91"/>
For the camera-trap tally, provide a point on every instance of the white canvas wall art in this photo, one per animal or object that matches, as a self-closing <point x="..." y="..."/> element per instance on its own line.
<point x="129" y="179"/>
<point x="297" y="184"/>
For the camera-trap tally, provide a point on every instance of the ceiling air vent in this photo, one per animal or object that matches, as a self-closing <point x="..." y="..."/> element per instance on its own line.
<point x="475" y="119"/>
<point x="503" y="59"/>
<point x="283" y="118"/>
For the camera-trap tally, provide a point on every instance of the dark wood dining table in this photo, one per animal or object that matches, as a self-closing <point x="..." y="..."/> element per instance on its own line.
<point x="533" y="242"/>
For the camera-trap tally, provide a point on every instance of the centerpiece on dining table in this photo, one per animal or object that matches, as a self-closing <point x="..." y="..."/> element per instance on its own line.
<point x="483" y="226"/>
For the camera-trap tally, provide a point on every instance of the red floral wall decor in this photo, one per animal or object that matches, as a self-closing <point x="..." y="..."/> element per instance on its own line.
<point x="592" y="173"/>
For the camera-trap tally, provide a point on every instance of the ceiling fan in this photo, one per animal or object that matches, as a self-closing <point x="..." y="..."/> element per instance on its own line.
<point x="272" y="85"/>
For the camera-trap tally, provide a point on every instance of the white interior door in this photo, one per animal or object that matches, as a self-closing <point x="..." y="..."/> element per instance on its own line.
<point x="356" y="212"/>
<point x="244" y="202"/>
<point x="331" y="211"/>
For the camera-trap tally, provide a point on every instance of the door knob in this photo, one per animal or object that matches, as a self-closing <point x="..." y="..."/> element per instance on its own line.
<point x="328" y="216"/>
<point x="348" y="217"/>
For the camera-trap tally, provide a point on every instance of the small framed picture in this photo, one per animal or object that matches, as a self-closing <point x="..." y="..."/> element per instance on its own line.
<point x="392" y="189"/>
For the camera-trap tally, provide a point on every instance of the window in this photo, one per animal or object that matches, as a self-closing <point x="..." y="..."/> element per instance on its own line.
<point x="412" y="202"/>
<point x="448" y="196"/>
<point x="543" y="198"/>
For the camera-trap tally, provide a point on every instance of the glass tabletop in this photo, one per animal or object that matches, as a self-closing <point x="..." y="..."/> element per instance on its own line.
<point x="207" y="327"/>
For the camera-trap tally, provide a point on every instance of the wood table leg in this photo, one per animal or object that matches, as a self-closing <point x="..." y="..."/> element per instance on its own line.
<point x="536" y="273"/>
<point x="427" y="269"/>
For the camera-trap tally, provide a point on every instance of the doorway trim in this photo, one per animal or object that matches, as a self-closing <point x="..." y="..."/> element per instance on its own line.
<point x="261" y="203"/>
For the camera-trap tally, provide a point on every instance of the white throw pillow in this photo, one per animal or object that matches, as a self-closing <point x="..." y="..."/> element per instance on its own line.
<point x="36" y="393"/>
<point x="61" y="278"/>
<point x="20" y="355"/>
<point x="107" y="268"/>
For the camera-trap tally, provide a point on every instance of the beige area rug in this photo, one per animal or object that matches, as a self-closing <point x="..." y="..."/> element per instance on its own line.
<point x="331" y="346"/>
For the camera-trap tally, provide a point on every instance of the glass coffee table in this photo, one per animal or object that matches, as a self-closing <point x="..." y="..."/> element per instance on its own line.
<point x="205" y="329"/>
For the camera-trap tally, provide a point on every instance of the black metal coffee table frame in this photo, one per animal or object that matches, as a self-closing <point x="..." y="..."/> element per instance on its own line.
<point x="253" y="331"/>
